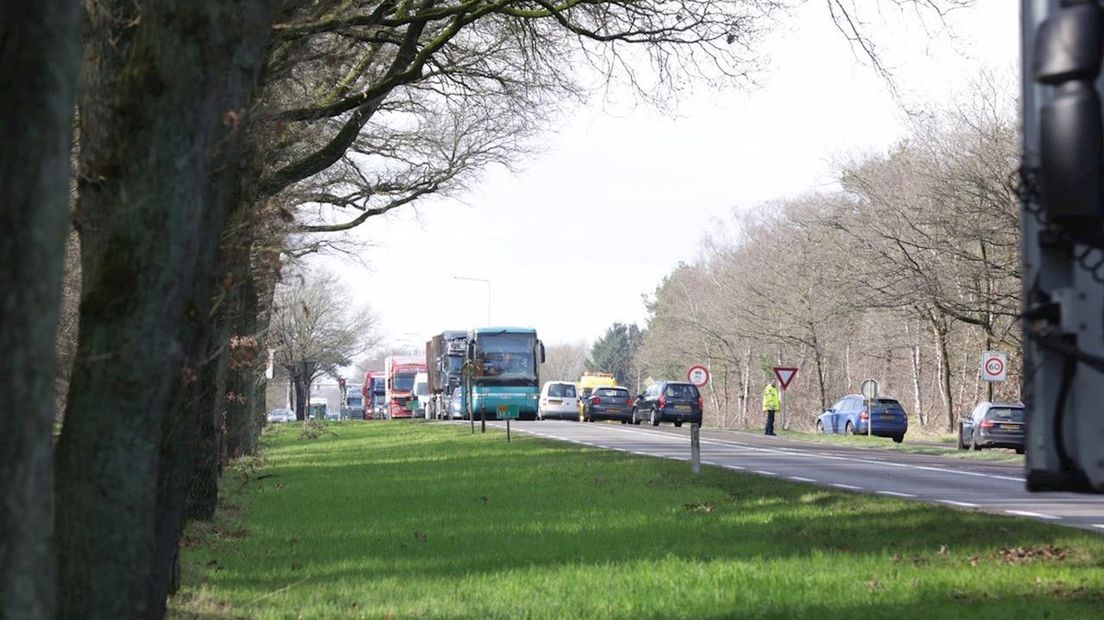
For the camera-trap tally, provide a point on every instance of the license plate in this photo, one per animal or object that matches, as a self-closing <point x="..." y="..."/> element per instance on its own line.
<point x="555" y="401"/>
<point x="888" y="416"/>
<point x="1010" y="427"/>
<point x="682" y="407"/>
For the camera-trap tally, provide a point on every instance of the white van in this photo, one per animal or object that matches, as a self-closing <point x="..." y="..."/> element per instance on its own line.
<point x="420" y="392"/>
<point x="558" y="400"/>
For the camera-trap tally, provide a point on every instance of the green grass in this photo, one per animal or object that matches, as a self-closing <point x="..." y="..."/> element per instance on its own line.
<point x="400" y="520"/>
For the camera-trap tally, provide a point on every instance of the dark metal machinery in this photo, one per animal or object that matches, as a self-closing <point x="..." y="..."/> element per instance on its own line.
<point x="1062" y="226"/>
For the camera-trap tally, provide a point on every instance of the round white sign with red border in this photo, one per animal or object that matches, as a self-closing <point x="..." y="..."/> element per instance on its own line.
<point x="698" y="375"/>
<point x="994" y="366"/>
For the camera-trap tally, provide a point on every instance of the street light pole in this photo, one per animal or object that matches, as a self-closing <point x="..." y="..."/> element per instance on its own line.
<point x="484" y="281"/>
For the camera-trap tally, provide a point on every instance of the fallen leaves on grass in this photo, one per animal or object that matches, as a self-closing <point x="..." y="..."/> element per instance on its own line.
<point x="420" y="536"/>
<point x="698" y="507"/>
<point x="1020" y="555"/>
<point x="873" y="585"/>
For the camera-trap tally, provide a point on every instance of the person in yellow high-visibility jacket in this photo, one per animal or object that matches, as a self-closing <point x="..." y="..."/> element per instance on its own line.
<point x="771" y="405"/>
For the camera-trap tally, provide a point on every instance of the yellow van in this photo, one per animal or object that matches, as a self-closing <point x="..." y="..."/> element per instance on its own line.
<point x="588" y="382"/>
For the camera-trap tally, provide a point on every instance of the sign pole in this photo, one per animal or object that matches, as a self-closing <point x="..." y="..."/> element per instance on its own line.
<point x="507" y="430"/>
<point x="782" y="409"/>
<point x="869" y="389"/>
<point x="695" y="448"/>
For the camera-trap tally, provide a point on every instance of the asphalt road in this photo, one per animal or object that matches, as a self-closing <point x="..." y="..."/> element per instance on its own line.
<point x="961" y="483"/>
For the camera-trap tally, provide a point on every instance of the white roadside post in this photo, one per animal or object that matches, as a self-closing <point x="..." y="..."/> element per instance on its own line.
<point x="699" y="376"/>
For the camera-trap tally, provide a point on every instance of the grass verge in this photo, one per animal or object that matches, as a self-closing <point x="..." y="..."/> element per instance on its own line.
<point x="394" y="520"/>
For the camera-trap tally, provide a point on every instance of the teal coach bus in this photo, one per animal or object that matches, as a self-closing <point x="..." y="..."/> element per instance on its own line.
<point x="505" y="371"/>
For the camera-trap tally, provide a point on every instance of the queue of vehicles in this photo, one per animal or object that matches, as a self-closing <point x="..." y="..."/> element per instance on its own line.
<point x="485" y="372"/>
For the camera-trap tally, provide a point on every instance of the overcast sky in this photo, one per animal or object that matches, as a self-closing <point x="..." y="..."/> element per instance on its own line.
<point x="618" y="196"/>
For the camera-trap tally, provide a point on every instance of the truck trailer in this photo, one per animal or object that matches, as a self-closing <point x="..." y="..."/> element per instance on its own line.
<point x="445" y="354"/>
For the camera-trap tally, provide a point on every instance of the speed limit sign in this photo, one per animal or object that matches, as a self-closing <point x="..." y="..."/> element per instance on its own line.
<point x="994" y="366"/>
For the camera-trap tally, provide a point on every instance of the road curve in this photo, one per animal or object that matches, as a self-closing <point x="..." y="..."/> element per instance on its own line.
<point x="961" y="483"/>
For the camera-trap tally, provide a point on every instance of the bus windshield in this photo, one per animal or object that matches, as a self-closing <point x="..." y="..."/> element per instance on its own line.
<point x="505" y="357"/>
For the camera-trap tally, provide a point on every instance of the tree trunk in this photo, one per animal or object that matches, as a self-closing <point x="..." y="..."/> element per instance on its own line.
<point x="300" y="382"/>
<point x="917" y="380"/>
<point x="206" y="459"/>
<point x="241" y="424"/>
<point x="939" y="330"/>
<point x="745" y="397"/>
<point x="158" y="103"/>
<point x="847" y="365"/>
<point x="38" y="68"/>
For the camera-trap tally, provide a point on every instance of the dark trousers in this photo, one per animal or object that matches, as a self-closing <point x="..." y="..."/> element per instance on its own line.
<point x="770" y="422"/>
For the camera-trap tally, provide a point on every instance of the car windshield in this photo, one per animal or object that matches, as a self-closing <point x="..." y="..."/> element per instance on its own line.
<point x="888" y="404"/>
<point x="404" y="382"/>
<point x="681" y="390"/>
<point x="612" y="392"/>
<point x="354" y="401"/>
<point x="421" y="389"/>
<point x="561" y="390"/>
<point x="455" y="362"/>
<point x="1005" y="414"/>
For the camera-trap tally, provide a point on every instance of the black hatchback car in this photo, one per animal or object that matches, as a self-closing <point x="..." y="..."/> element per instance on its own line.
<point x="993" y="425"/>
<point x="608" y="403"/>
<point x="669" y="401"/>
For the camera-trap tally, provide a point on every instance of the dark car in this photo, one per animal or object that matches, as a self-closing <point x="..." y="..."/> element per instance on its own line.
<point x="993" y="425"/>
<point x="886" y="418"/>
<point x="608" y="403"/>
<point x="669" y="401"/>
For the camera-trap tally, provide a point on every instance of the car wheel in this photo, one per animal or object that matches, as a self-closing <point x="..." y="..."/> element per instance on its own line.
<point x="961" y="439"/>
<point x="655" y="418"/>
<point x="1019" y="450"/>
<point x="820" y="427"/>
<point x="849" y="430"/>
<point x="974" y="445"/>
<point x="678" y="423"/>
<point x="898" y="438"/>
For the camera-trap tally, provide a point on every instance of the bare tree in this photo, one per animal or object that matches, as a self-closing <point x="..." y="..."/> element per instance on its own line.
<point x="564" y="362"/>
<point x="314" y="331"/>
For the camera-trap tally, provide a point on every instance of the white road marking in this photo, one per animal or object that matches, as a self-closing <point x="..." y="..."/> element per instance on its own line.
<point x="895" y="494"/>
<point x="1036" y="515"/>
<point x="800" y="479"/>
<point x="849" y="487"/>
<point x="1098" y="525"/>
<point x="808" y="454"/>
<point x="764" y="473"/>
<point x="738" y="467"/>
<point x="951" y="502"/>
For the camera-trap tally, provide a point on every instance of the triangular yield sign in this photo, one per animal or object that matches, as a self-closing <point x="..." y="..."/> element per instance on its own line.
<point x="785" y="375"/>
